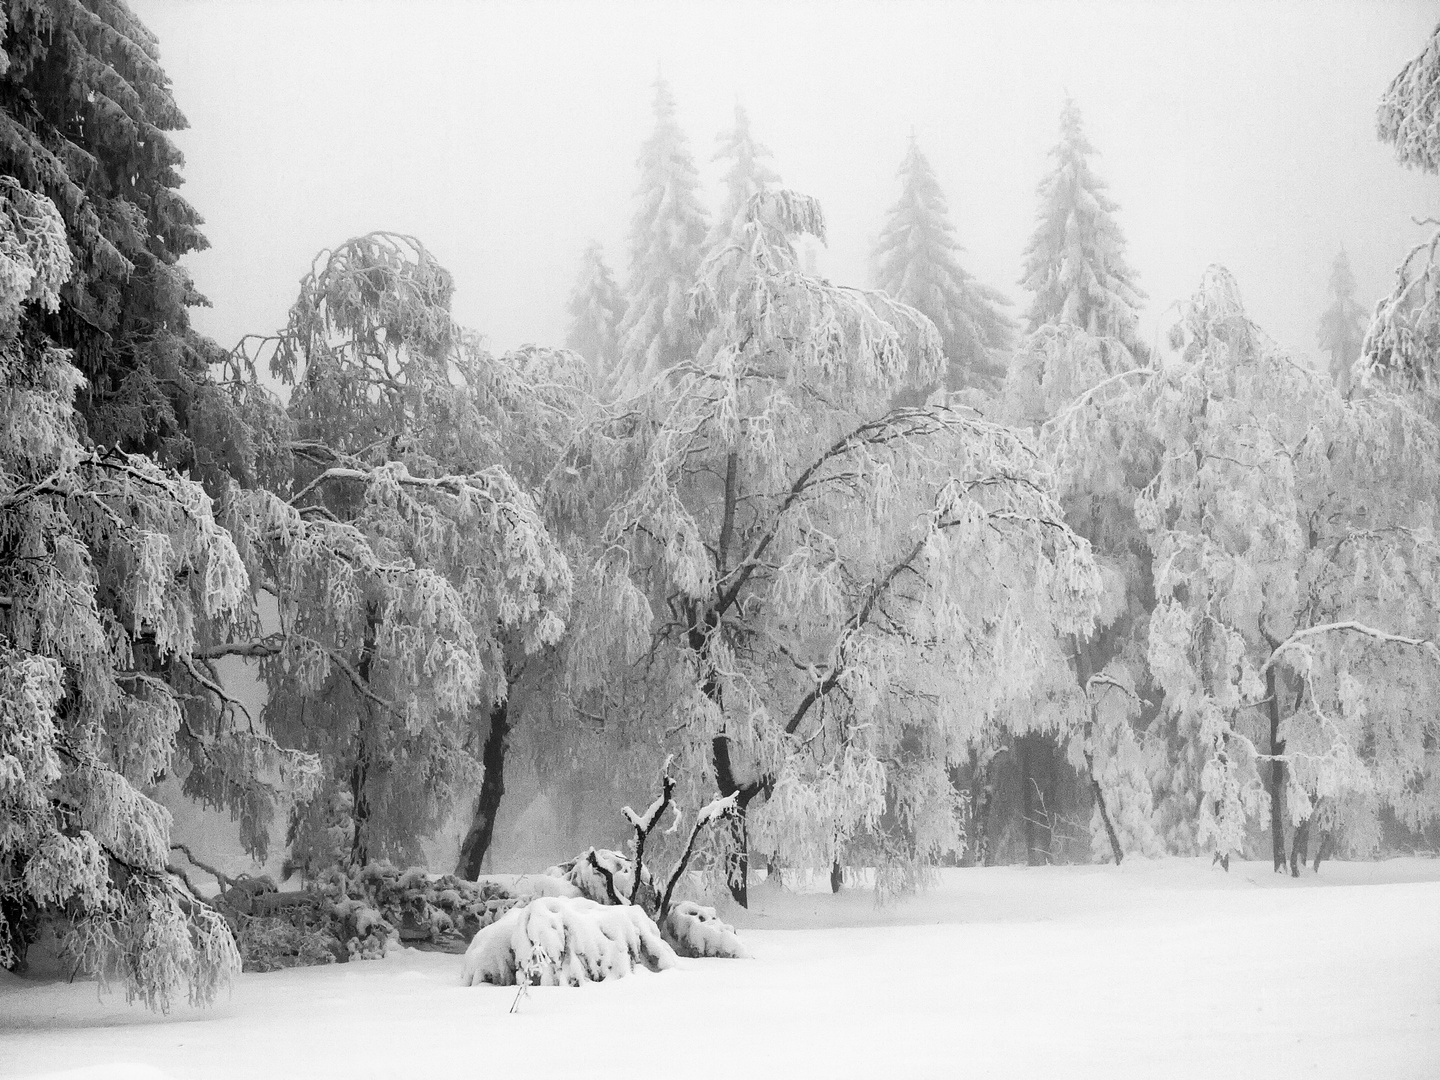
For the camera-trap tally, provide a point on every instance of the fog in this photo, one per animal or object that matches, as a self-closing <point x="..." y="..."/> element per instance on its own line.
<point x="505" y="135"/>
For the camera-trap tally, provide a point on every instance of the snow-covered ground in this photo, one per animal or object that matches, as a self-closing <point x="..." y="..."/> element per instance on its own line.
<point x="1155" y="970"/>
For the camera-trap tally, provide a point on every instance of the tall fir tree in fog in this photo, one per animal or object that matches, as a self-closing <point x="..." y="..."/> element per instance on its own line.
<point x="1075" y="262"/>
<point x="667" y="236"/>
<point x="749" y="173"/>
<point x="917" y="263"/>
<point x="1342" y="327"/>
<point x="596" y="309"/>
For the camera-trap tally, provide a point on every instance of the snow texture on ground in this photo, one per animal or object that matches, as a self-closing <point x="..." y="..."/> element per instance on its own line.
<point x="1171" y="969"/>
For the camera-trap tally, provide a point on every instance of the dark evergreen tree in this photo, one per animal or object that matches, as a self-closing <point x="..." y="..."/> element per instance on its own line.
<point x="1075" y="262"/>
<point x="667" y="236"/>
<point x="596" y="309"/>
<point x="917" y="263"/>
<point x="84" y="114"/>
<point x="1342" y="327"/>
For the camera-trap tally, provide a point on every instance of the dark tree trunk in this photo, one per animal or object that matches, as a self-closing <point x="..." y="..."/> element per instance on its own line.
<point x="492" y="789"/>
<point x="1277" y="775"/>
<point x="837" y="876"/>
<point x="360" y="804"/>
<point x="982" y="800"/>
<point x="1325" y="849"/>
<point x="360" y="774"/>
<point x="1300" y="849"/>
<point x="1115" y="848"/>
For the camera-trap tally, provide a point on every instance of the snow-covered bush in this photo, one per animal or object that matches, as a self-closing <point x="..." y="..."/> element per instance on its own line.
<point x="605" y="876"/>
<point x="560" y="941"/>
<point x="693" y="930"/>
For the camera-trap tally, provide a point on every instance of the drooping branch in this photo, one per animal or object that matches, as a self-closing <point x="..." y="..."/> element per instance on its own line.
<point x="1351" y="627"/>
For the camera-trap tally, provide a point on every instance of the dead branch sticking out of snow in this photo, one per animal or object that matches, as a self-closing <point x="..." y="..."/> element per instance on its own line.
<point x="556" y="941"/>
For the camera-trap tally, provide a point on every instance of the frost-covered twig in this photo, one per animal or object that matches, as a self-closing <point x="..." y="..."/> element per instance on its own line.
<point x="645" y="823"/>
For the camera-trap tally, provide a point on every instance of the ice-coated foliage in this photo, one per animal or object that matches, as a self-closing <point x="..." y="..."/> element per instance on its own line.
<point x="559" y="941"/>
<point x="748" y="174"/>
<point x="403" y="559"/>
<point x="842" y="587"/>
<point x="596" y="308"/>
<point x="1075" y="261"/>
<point x="1409" y="113"/>
<point x="917" y="261"/>
<point x="1291" y="553"/>
<point x="113" y="573"/>
<point x="667" y="236"/>
<point x="93" y="135"/>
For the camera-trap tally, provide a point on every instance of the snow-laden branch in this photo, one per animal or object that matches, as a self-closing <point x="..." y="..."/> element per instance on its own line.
<point x="1350" y="627"/>
<point x="726" y="807"/>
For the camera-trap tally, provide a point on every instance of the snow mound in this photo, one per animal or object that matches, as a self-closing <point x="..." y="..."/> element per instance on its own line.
<point x="697" y="931"/>
<point x="565" y="941"/>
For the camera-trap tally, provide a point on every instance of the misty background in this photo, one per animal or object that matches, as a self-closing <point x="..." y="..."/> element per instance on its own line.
<point x="504" y="135"/>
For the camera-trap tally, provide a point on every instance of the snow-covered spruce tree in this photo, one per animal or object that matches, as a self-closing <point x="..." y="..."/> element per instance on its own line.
<point x="667" y="236"/>
<point x="749" y="173"/>
<point x="404" y="562"/>
<point x="1342" y="326"/>
<point x="596" y="309"/>
<point x="113" y="572"/>
<point x="843" y="590"/>
<point x="1295" y="577"/>
<point x="1075" y="262"/>
<point x="85" y="112"/>
<point x="917" y="262"/>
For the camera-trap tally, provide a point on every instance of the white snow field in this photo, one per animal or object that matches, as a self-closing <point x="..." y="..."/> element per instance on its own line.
<point x="1153" y="970"/>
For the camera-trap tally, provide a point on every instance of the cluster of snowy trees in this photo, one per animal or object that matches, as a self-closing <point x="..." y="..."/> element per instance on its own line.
<point x="879" y="567"/>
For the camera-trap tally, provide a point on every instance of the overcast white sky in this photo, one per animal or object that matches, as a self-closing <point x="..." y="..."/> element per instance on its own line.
<point x="504" y="135"/>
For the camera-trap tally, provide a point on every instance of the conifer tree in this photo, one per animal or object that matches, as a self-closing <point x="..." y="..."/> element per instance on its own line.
<point x="85" y="109"/>
<point x="596" y="309"/>
<point x="749" y="174"/>
<point x="917" y="263"/>
<point x="1075" y="261"/>
<point x="667" y="236"/>
<point x="113" y="575"/>
<point x="1342" y="327"/>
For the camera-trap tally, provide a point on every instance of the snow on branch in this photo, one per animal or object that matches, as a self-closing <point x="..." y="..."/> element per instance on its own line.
<point x="1350" y="627"/>
<point x="1409" y="114"/>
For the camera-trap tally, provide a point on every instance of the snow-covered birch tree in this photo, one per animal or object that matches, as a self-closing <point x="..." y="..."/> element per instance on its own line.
<point x="842" y="590"/>
<point x="1075" y="261"/>
<point x="917" y="262"/>
<point x="403" y="559"/>
<point x="667" y="236"/>
<point x="1293" y="568"/>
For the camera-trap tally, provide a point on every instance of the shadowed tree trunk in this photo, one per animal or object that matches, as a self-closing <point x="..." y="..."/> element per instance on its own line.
<point x="360" y="773"/>
<point x="1277" y="775"/>
<point x="1300" y="849"/>
<point x="492" y="789"/>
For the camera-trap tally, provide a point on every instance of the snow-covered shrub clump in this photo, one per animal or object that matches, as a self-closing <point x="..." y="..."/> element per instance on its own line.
<point x="693" y="930"/>
<point x="605" y="876"/>
<point x="558" y="941"/>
